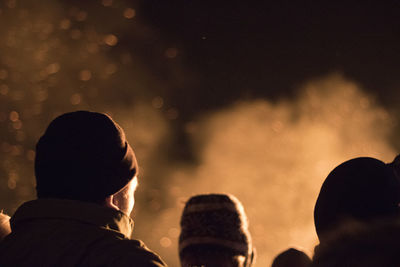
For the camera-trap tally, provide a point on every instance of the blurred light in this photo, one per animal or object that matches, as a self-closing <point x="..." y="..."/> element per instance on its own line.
<point x="76" y="99"/>
<point x="53" y="68"/>
<point x="107" y="2"/>
<point x="12" y="184"/>
<point x="165" y="242"/>
<point x="65" y="24"/>
<point x="157" y="102"/>
<point x="14" y="116"/>
<point x="17" y="125"/>
<point x="85" y="75"/>
<point x="3" y="74"/>
<point x="111" y="69"/>
<point x="81" y="16"/>
<point x="16" y="150"/>
<point x="111" y="39"/>
<point x="4" y="89"/>
<point x="11" y="3"/>
<point x="129" y="13"/>
<point x="20" y="136"/>
<point x="172" y="114"/>
<point x="76" y="34"/>
<point x="171" y="52"/>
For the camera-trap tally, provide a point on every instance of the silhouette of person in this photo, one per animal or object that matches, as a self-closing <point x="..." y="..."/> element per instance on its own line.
<point x="86" y="176"/>
<point x="361" y="189"/>
<point x="4" y="225"/>
<point x="214" y="233"/>
<point x="291" y="258"/>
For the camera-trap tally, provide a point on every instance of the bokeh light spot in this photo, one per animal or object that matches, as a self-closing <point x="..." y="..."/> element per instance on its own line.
<point x="4" y="89"/>
<point x="65" y="24"/>
<point x="76" y="34"/>
<point x="172" y="114"/>
<point x="53" y="68"/>
<point x="171" y="52"/>
<point x="76" y="99"/>
<point x="85" y="75"/>
<point x="129" y="13"/>
<point x="110" y="40"/>
<point x="165" y="242"/>
<point x="107" y="2"/>
<point x="157" y="102"/>
<point x="81" y="16"/>
<point x="14" y="116"/>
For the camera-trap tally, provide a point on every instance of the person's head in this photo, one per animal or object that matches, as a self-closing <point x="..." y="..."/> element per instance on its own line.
<point x="5" y="228"/>
<point x="291" y="258"/>
<point x="214" y="232"/>
<point x="85" y="156"/>
<point x="361" y="189"/>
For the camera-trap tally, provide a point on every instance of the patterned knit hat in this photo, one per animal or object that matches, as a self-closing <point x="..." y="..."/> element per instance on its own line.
<point x="217" y="220"/>
<point x="83" y="156"/>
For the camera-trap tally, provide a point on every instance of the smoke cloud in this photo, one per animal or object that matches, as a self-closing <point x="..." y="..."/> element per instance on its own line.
<point x="274" y="158"/>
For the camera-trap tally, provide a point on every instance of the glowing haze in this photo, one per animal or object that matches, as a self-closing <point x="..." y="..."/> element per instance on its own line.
<point x="275" y="156"/>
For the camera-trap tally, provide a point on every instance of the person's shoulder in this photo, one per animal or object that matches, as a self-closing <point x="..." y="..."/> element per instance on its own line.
<point x="135" y="251"/>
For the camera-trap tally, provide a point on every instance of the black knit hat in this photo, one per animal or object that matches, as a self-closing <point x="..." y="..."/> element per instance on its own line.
<point x="363" y="189"/>
<point x="83" y="156"/>
<point x="216" y="220"/>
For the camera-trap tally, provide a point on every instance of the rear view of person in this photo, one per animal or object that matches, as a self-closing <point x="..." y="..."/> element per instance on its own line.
<point x="86" y="176"/>
<point x="291" y="258"/>
<point x="362" y="190"/>
<point x="214" y="233"/>
<point x="357" y="216"/>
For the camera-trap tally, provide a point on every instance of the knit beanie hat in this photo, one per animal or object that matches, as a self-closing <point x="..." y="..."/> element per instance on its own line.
<point x="216" y="220"/>
<point x="361" y="189"/>
<point x="83" y="156"/>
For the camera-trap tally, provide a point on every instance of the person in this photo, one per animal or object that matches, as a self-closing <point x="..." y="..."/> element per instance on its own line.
<point x="4" y="225"/>
<point x="214" y="233"/>
<point x="291" y="258"/>
<point x="359" y="190"/>
<point x="363" y="244"/>
<point x="86" y="175"/>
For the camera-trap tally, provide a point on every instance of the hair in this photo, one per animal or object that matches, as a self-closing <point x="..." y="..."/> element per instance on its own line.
<point x="5" y="228"/>
<point x="214" y="227"/>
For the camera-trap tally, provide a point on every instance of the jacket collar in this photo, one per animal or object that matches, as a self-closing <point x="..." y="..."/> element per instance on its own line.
<point x="85" y="212"/>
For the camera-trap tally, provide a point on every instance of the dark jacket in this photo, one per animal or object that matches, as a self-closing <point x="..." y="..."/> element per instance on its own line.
<point x="54" y="232"/>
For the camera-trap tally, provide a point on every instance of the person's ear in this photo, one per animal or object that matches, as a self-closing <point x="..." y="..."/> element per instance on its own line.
<point x="109" y="202"/>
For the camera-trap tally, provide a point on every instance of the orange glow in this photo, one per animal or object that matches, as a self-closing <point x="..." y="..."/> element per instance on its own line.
<point x="129" y="13"/>
<point x="111" y="40"/>
<point x="85" y="75"/>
